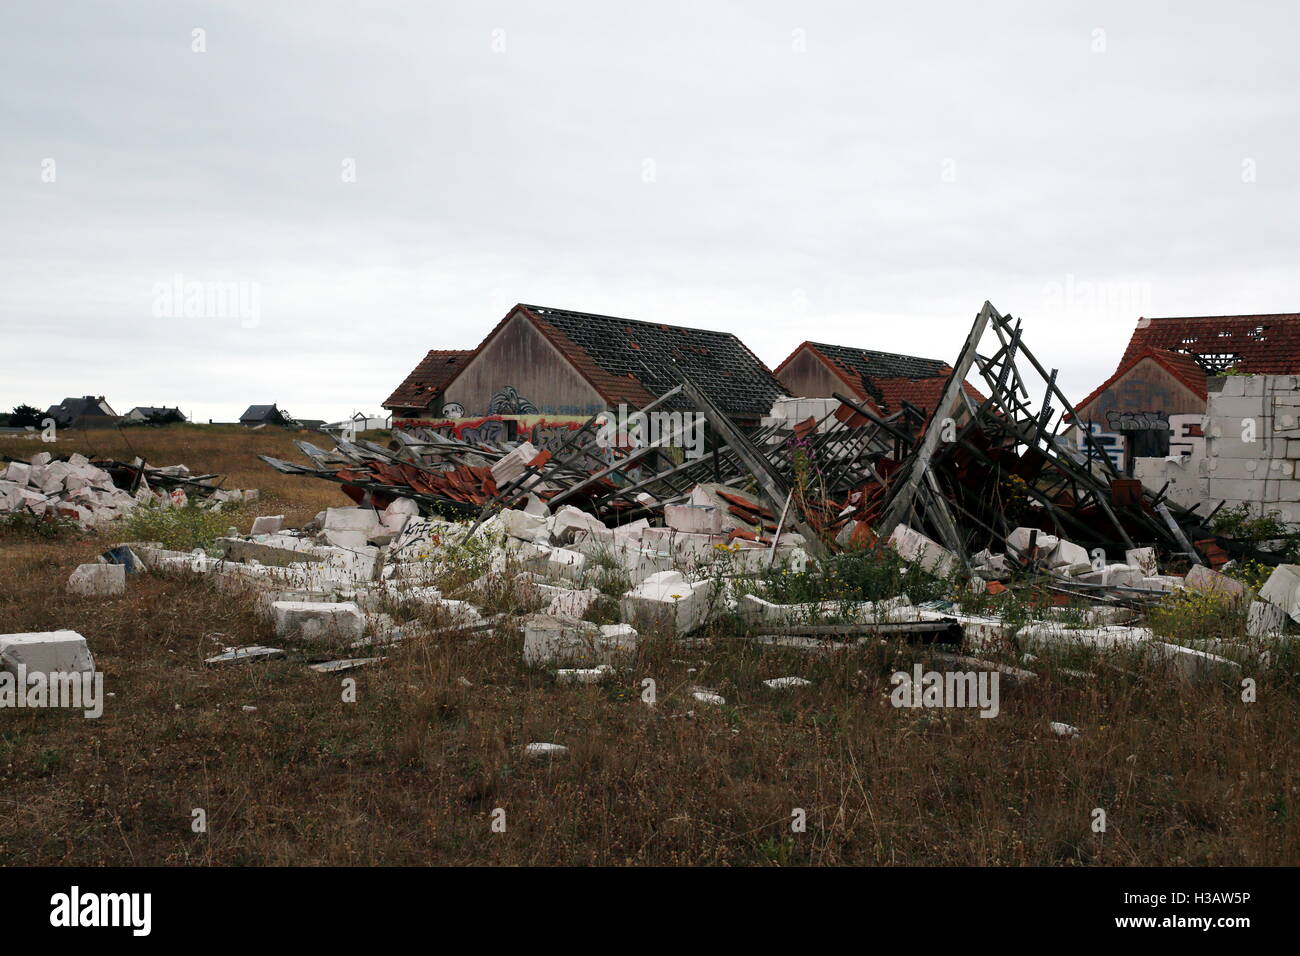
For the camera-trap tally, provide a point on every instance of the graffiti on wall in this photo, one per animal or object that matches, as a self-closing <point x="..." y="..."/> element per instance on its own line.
<point x="508" y="401"/>
<point x="1187" y="435"/>
<point x="1110" y="443"/>
<point x="1118" y="421"/>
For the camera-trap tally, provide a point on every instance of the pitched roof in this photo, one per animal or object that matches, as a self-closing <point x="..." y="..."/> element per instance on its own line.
<point x="257" y="413"/>
<point x="428" y="378"/>
<point x="1256" y="344"/>
<point x="627" y="360"/>
<point x="153" y="410"/>
<point x="88" y="406"/>
<point x="886" y="379"/>
<point x="1182" y="367"/>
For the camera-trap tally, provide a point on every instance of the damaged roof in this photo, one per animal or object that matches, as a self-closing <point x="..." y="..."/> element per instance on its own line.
<point x="886" y="379"/>
<point x="628" y="360"/>
<point x="1182" y="367"/>
<point x="1255" y="344"/>
<point x="428" y="378"/>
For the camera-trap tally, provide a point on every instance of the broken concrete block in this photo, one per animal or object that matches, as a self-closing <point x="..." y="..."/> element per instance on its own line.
<point x="18" y="472"/>
<point x="549" y="640"/>
<point x="1163" y="582"/>
<point x="569" y="602"/>
<point x="565" y="564"/>
<point x="1202" y="578"/>
<point x="583" y="675"/>
<point x="916" y="548"/>
<point x="513" y="464"/>
<point x="235" y="655"/>
<point x="345" y="538"/>
<point x="694" y="519"/>
<point x="46" y="652"/>
<point x="363" y="520"/>
<point x="784" y="683"/>
<point x="1144" y="559"/>
<point x="1283" y="589"/>
<point x="347" y="664"/>
<point x="568" y="521"/>
<point x="1018" y="543"/>
<point x="318" y="621"/>
<point x="98" y="580"/>
<point x="667" y="600"/>
<point x="522" y="525"/>
<point x="1264" y="619"/>
<point x="267" y="524"/>
<point x="708" y="697"/>
<point x="1067" y="554"/>
<point x="1114" y="576"/>
<point x="545" y="750"/>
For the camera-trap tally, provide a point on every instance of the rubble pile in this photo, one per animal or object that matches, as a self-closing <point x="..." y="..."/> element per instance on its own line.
<point x="95" y="493"/>
<point x="600" y="545"/>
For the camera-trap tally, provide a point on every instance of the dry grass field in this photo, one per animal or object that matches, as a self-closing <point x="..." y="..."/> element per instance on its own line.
<point x="413" y="770"/>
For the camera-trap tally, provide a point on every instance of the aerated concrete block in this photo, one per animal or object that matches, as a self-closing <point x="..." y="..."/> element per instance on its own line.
<point x="98" y="580"/>
<point x="1282" y="589"/>
<point x="46" y="652"/>
<point x="1264" y="619"/>
<point x="318" y="621"/>
<point x="916" y="548"/>
<point x="694" y="519"/>
<point x="565" y="640"/>
<point x="1201" y="578"/>
<point x="1144" y="559"/>
<point x="667" y="600"/>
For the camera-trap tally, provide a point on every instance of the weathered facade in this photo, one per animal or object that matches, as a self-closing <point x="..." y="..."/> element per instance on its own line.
<point x="518" y="370"/>
<point x="542" y="367"/>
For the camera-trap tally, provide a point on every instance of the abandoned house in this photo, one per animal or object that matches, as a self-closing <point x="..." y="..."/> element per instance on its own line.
<point x="884" y="381"/>
<point x="563" y="365"/>
<point x="88" y="411"/>
<point x="420" y="395"/>
<point x="1155" y="398"/>
<point x="264" y="415"/>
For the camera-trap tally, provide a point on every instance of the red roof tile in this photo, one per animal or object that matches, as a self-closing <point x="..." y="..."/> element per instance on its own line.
<point x="428" y="379"/>
<point x="1256" y="344"/>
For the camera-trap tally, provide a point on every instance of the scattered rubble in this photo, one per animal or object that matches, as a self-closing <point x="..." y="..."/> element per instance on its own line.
<point x="94" y="493"/>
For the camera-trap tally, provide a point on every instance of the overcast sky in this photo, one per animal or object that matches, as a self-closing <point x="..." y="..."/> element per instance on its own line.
<point x="387" y="178"/>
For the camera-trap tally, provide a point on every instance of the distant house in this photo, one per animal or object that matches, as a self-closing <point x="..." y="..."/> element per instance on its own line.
<point x="88" y="411"/>
<point x="146" y="413"/>
<point x="558" y="363"/>
<point x="883" y="381"/>
<point x="264" y="415"/>
<point x="420" y="395"/>
<point x="1170" y="366"/>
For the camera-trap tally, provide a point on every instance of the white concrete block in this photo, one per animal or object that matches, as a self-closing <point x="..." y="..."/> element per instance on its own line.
<point x="1282" y="589"/>
<point x="98" y="580"/>
<point x="570" y="602"/>
<point x="46" y="652"/>
<point x="364" y="520"/>
<point x="318" y="621"/>
<point x="1144" y="559"/>
<point x="916" y="548"/>
<point x="1114" y="576"/>
<point x="694" y="519"/>
<point x="268" y="524"/>
<point x="564" y="640"/>
<point x="1201" y="578"/>
<point x="1264" y="619"/>
<point x="667" y="599"/>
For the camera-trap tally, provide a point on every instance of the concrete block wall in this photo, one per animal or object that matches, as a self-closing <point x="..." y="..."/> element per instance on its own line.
<point x="1252" y="449"/>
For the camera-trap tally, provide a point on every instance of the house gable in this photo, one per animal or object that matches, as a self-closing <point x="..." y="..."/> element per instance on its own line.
<point x="518" y="370"/>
